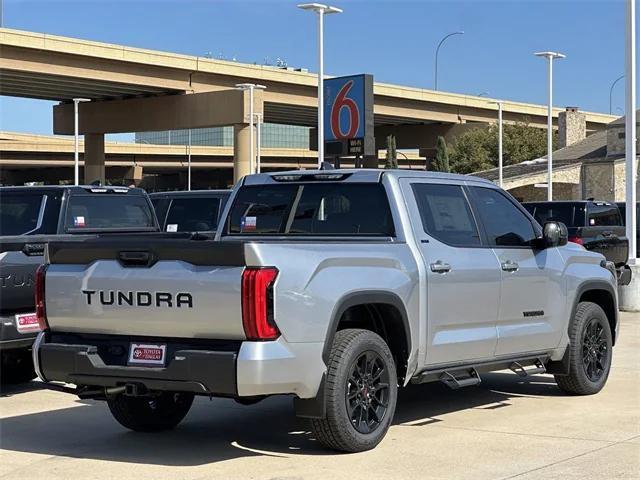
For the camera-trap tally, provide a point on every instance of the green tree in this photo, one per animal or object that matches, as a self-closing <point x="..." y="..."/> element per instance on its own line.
<point x="477" y="149"/>
<point x="441" y="162"/>
<point x="392" y="154"/>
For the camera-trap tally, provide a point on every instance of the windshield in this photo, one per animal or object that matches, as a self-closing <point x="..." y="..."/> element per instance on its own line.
<point x="312" y="209"/>
<point x="19" y="213"/>
<point x="193" y="215"/>
<point x="108" y="212"/>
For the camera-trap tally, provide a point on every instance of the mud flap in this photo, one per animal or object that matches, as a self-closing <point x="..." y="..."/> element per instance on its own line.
<point x="315" y="407"/>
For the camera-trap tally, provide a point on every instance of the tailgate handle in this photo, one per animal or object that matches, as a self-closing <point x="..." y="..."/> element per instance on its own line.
<point x="607" y="234"/>
<point x="135" y="258"/>
<point x="33" y="249"/>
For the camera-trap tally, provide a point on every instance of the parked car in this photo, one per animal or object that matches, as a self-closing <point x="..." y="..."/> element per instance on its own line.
<point x="336" y="287"/>
<point x="622" y="206"/>
<point x="32" y="216"/>
<point x="596" y="225"/>
<point x="193" y="211"/>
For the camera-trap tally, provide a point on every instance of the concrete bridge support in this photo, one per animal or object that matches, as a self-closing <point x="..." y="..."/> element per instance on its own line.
<point x="171" y="112"/>
<point x="242" y="150"/>
<point x="94" y="158"/>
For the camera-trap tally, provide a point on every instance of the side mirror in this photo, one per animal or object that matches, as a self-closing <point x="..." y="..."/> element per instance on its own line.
<point x="554" y="234"/>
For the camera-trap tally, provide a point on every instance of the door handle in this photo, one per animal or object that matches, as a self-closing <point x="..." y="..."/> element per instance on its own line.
<point x="440" y="267"/>
<point x="510" y="266"/>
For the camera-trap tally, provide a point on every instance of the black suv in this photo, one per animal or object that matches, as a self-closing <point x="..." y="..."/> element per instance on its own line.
<point x="596" y="225"/>
<point x="194" y="211"/>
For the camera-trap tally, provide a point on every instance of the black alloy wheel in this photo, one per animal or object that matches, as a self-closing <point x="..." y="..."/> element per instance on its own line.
<point x="367" y="392"/>
<point x="595" y="351"/>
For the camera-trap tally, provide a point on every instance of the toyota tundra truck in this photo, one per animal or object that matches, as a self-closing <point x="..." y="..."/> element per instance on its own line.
<point x="336" y="287"/>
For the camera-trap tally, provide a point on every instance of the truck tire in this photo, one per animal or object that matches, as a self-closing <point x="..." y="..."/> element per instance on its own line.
<point x="360" y="392"/>
<point x="150" y="414"/>
<point x="16" y="367"/>
<point x="590" y="351"/>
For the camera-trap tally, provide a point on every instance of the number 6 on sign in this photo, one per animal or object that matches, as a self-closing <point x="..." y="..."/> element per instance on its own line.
<point x="342" y="101"/>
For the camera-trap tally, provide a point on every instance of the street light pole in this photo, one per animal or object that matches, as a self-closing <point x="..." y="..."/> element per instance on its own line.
<point x="251" y="87"/>
<point x="611" y="93"/>
<point x="550" y="56"/>
<point x="189" y="164"/>
<point x="76" y="135"/>
<point x="438" y="51"/>
<point x="321" y="10"/>
<point x="258" y="141"/>
<point x="499" y="103"/>
<point x="630" y="130"/>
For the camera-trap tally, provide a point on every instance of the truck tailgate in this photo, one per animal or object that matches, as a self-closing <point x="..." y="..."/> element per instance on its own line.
<point x="165" y="288"/>
<point x="610" y="241"/>
<point x="19" y="259"/>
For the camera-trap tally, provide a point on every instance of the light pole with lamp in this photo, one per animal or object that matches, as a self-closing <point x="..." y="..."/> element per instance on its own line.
<point x="438" y="51"/>
<point x="251" y="87"/>
<point x="550" y="56"/>
<point x="321" y="10"/>
<point x="76" y="135"/>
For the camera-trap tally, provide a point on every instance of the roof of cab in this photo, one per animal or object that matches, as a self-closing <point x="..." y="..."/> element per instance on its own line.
<point x="190" y="193"/>
<point x="362" y="175"/>
<point x="76" y="189"/>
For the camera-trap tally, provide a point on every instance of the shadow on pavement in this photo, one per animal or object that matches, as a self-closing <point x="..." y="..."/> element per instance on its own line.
<point x="219" y="429"/>
<point x="8" y="390"/>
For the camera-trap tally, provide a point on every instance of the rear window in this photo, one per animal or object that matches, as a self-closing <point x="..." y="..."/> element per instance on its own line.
<point x="604" y="215"/>
<point x="331" y="209"/>
<point x="19" y="213"/>
<point x="571" y="215"/>
<point x="108" y="211"/>
<point x="193" y="215"/>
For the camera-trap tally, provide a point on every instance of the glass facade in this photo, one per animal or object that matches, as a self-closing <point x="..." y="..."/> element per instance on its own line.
<point x="273" y="136"/>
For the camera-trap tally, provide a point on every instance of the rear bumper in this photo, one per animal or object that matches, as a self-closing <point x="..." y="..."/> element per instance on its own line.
<point x="255" y="368"/>
<point x="10" y="338"/>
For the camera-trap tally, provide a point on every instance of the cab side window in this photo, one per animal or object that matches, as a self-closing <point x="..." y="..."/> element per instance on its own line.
<point x="505" y="224"/>
<point x="446" y="215"/>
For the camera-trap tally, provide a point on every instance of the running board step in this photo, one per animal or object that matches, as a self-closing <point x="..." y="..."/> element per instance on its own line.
<point x="522" y="371"/>
<point x="460" y="378"/>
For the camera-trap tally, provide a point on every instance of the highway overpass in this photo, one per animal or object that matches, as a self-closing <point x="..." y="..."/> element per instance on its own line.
<point x="135" y="89"/>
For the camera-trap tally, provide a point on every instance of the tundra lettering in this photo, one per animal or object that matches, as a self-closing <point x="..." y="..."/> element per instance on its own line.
<point x="140" y="299"/>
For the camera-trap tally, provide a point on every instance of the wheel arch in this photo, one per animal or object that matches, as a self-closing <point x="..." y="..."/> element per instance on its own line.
<point x="387" y="316"/>
<point x="603" y="294"/>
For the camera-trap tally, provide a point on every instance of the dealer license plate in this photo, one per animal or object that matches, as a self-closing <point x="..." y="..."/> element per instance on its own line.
<point x="27" y="323"/>
<point x="147" y="354"/>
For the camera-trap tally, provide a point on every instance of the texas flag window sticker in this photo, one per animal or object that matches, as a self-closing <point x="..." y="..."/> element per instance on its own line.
<point x="248" y="224"/>
<point x="78" y="221"/>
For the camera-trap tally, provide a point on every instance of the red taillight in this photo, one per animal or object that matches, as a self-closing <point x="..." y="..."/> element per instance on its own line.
<point x="577" y="240"/>
<point x="257" y="303"/>
<point x="41" y="312"/>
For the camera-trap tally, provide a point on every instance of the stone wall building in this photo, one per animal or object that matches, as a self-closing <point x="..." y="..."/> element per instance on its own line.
<point x="584" y="167"/>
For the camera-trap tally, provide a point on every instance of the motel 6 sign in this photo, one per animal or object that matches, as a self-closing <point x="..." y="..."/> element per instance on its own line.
<point x="348" y="115"/>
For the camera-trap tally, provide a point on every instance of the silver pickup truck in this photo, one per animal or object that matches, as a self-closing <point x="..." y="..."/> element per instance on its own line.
<point x="336" y="287"/>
